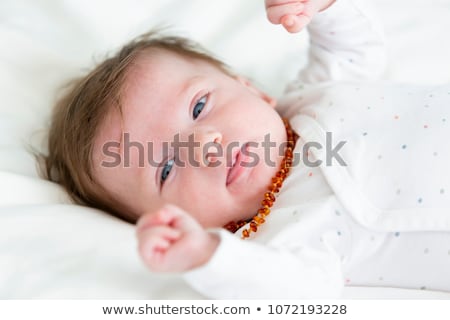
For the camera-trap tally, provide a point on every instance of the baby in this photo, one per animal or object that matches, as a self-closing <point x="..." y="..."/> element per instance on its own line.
<point x="352" y="189"/>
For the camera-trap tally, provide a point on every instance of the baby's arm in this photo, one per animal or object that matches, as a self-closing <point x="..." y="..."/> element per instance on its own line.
<point x="284" y="268"/>
<point x="220" y="265"/>
<point x="346" y="43"/>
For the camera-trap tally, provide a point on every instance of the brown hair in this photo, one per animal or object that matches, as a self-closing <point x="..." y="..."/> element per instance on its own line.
<point x="79" y="113"/>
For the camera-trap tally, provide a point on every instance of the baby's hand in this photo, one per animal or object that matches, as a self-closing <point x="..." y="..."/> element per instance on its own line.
<point x="294" y="15"/>
<point x="170" y="240"/>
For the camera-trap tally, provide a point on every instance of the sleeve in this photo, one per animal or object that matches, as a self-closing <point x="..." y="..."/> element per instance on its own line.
<point x="346" y="43"/>
<point x="244" y="269"/>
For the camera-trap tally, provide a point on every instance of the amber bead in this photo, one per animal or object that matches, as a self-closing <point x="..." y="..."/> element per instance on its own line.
<point x="267" y="203"/>
<point x="245" y="233"/>
<point x="241" y="223"/>
<point x="276" y="179"/>
<point x="269" y="196"/>
<point x="273" y="188"/>
<point x="264" y="211"/>
<point x="253" y="226"/>
<point x="231" y="226"/>
<point x="259" y="220"/>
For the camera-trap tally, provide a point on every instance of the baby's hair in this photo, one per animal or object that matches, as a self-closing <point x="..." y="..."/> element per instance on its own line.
<point x="79" y="113"/>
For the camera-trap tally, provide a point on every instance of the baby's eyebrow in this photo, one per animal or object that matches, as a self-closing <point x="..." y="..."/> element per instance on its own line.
<point x="191" y="83"/>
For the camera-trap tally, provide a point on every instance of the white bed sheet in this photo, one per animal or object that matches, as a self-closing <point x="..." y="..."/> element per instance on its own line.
<point x="50" y="248"/>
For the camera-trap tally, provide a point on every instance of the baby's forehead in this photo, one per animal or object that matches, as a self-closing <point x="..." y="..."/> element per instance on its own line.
<point x="156" y="62"/>
<point x="155" y="72"/>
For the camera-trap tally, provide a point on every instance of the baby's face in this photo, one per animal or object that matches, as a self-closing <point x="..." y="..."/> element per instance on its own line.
<point x="219" y="169"/>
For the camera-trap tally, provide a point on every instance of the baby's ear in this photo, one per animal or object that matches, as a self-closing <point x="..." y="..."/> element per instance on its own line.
<point x="244" y="81"/>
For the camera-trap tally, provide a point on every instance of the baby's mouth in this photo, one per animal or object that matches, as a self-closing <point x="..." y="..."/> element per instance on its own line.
<point x="237" y="167"/>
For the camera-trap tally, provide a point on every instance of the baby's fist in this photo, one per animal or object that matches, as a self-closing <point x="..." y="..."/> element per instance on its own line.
<point x="294" y="15"/>
<point x="170" y="240"/>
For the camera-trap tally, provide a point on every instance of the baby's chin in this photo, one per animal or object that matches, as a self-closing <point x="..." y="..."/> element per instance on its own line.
<point x="253" y="202"/>
<point x="239" y="209"/>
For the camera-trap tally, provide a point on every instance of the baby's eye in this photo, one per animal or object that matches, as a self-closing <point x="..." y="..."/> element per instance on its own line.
<point x="198" y="108"/>
<point x="166" y="170"/>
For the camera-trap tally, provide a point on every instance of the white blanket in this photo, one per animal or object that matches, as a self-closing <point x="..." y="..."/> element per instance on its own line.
<point x="50" y="248"/>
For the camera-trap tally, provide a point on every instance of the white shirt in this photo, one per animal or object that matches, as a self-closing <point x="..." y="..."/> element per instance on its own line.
<point x="380" y="216"/>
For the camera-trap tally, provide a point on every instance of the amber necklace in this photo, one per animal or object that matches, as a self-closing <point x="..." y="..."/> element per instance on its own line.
<point x="273" y="189"/>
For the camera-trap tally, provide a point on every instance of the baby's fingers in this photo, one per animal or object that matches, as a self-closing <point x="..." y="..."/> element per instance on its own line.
<point x="154" y="242"/>
<point x="163" y="216"/>
<point x="295" y="23"/>
<point x="276" y="12"/>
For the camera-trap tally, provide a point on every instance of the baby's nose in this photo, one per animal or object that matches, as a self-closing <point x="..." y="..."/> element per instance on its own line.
<point x="208" y="146"/>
